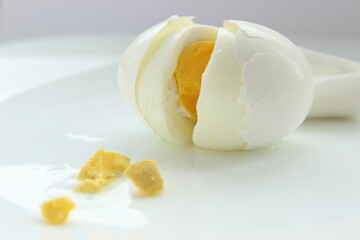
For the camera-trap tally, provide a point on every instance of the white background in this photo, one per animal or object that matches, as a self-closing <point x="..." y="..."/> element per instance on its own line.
<point x="34" y="18"/>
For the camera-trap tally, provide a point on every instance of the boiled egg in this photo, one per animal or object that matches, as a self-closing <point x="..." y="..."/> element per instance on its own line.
<point x="242" y="86"/>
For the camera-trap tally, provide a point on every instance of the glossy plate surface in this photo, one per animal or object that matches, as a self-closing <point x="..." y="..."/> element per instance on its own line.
<point x="307" y="187"/>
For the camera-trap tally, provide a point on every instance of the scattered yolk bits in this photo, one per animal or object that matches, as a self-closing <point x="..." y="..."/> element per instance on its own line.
<point x="56" y="211"/>
<point x="100" y="169"/>
<point x="146" y="177"/>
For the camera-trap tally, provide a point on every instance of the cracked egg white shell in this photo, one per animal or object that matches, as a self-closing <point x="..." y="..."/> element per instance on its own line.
<point x="256" y="87"/>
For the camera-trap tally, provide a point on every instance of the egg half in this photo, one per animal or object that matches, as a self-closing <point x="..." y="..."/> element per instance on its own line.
<point x="242" y="86"/>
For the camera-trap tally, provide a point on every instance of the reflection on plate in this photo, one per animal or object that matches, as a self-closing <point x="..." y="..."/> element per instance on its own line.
<point x="304" y="188"/>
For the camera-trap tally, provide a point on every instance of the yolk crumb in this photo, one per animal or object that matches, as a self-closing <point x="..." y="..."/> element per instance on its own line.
<point x="188" y="73"/>
<point x="146" y="177"/>
<point x="56" y="211"/>
<point x="100" y="169"/>
<point x="89" y="186"/>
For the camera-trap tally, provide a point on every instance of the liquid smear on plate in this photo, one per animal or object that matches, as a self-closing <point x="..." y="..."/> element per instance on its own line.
<point x="50" y="181"/>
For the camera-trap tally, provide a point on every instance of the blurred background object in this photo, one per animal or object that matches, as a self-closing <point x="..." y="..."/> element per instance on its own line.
<point x="35" y="18"/>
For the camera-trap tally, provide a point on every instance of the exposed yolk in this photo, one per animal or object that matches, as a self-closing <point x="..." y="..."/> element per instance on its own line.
<point x="146" y="177"/>
<point x="100" y="169"/>
<point x="56" y="211"/>
<point x="188" y="73"/>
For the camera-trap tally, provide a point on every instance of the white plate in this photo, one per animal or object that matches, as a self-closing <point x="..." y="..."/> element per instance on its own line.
<point x="307" y="187"/>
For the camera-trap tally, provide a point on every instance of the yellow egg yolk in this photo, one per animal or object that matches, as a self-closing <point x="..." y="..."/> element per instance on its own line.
<point x="146" y="177"/>
<point x="56" y="211"/>
<point x="188" y="73"/>
<point x="100" y="169"/>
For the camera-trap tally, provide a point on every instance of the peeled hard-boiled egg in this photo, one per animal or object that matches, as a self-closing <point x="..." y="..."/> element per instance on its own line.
<point x="238" y="87"/>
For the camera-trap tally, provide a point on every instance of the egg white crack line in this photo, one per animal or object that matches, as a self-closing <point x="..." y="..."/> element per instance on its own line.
<point x="244" y="86"/>
<point x="259" y="98"/>
<point x="254" y="37"/>
<point x="251" y="136"/>
<point x="255" y="55"/>
<point x="242" y="31"/>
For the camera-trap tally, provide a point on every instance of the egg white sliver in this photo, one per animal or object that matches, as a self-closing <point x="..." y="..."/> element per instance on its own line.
<point x="337" y="85"/>
<point x="221" y="114"/>
<point x="156" y="92"/>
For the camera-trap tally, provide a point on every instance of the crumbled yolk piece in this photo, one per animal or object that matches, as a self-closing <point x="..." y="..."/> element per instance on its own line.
<point x="146" y="177"/>
<point x="89" y="186"/>
<point x="100" y="169"/>
<point x="188" y="73"/>
<point x="56" y="211"/>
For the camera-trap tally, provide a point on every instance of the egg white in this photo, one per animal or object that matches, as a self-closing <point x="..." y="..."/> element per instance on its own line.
<point x="337" y="82"/>
<point x="130" y="63"/>
<point x="278" y="84"/>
